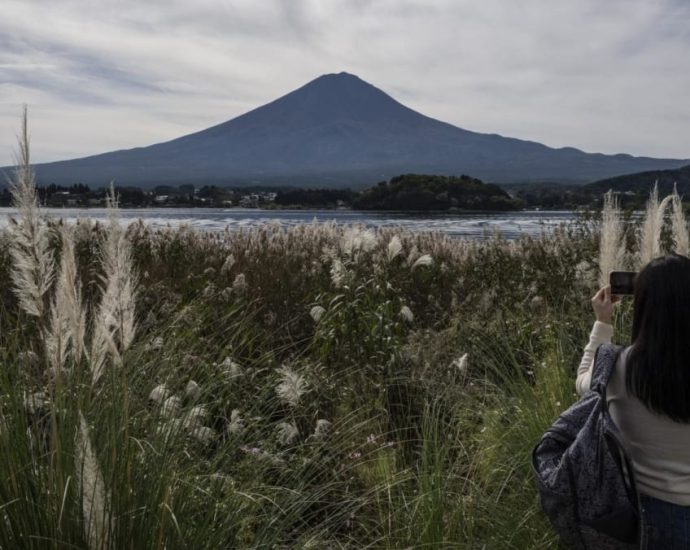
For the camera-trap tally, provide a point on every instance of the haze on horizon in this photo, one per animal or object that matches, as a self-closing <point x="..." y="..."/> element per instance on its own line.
<point x="601" y="77"/>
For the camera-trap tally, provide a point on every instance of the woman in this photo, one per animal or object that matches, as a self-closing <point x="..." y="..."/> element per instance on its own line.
<point x="649" y="394"/>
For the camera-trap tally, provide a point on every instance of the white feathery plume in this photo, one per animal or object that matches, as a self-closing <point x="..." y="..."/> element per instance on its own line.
<point x="292" y="386"/>
<point x="236" y="424"/>
<point x="460" y="363"/>
<point x="316" y="313"/>
<point x="95" y="501"/>
<point x="231" y="369"/>
<point x="394" y="248"/>
<point x="287" y="432"/>
<point x="368" y="240"/>
<point x="32" y="267"/>
<point x="159" y="394"/>
<point x="413" y="255"/>
<point x="679" y="225"/>
<point x="68" y="319"/>
<point x="171" y="407"/>
<point x="422" y="261"/>
<point x="406" y="314"/>
<point x="338" y="273"/>
<point x="650" y="242"/>
<point x="227" y="265"/>
<point x="356" y="239"/>
<point x="195" y="417"/>
<point x="661" y="213"/>
<point x="114" y="324"/>
<point x="611" y="240"/>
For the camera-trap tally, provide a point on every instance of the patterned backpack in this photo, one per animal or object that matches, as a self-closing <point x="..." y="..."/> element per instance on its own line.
<point x="584" y="474"/>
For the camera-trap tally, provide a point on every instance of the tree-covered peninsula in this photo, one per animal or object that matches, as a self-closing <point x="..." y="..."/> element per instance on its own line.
<point x="429" y="192"/>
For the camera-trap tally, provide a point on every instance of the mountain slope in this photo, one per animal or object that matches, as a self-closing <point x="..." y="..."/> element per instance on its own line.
<point x="339" y="130"/>
<point x="642" y="182"/>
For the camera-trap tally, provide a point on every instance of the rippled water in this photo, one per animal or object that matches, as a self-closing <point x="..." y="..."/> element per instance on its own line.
<point x="480" y="225"/>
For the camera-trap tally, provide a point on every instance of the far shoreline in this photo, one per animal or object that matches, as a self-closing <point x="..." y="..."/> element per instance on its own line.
<point x="308" y="209"/>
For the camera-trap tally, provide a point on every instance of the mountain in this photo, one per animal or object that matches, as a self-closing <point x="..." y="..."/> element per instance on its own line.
<point x="642" y="182"/>
<point x="338" y="130"/>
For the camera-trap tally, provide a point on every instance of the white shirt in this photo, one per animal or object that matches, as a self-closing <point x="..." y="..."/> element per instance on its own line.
<point x="659" y="447"/>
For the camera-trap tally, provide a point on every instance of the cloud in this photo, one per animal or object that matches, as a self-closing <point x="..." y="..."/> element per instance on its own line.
<point x="602" y="76"/>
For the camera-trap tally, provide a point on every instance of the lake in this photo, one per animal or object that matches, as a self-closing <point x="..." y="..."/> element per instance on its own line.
<point x="468" y="225"/>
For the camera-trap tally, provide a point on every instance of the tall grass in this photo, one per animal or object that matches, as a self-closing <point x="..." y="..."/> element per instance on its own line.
<point x="114" y="323"/>
<point x="33" y="267"/>
<point x="319" y="386"/>
<point x="681" y="241"/>
<point x="612" y="244"/>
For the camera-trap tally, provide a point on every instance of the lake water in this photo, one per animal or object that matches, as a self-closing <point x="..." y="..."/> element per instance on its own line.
<point x="479" y="225"/>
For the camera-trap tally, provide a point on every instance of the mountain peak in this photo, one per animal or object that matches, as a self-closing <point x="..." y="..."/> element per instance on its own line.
<point x="331" y="98"/>
<point x="343" y="75"/>
<point x="332" y="82"/>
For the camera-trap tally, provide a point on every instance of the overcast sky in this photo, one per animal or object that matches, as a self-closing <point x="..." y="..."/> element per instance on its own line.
<point x="601" y="75"/>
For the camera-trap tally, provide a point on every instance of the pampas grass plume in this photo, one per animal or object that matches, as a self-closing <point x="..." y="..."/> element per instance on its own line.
<point x="159" y="394"/>
<point x="236" y="424"/>
<point x="406" y="314"/>
<point x="422" y="261"/>
<point x="231" y="369"/>
<point x="612" y="244"/>
<point x="316" y="313"/>
<point x="171" y="407"/>
<point x="33" y="267"/>
<point x="460" y="363"/>
<point x="292" y="386"/>
<point x="68" y="317"/>
<point x="287" y="432"/>
<point x="394" y="248"/>
<point x="114" y="324"/>
<point x="95" y="503"/>
<point x="650" y="237"/>
<point x="679" y="225"/>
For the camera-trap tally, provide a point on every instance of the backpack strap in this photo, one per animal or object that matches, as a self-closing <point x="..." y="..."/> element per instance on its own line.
<point x="604" y="364"/>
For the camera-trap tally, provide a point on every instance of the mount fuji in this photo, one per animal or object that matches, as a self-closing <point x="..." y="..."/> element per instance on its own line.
<point x="335" y="131"/>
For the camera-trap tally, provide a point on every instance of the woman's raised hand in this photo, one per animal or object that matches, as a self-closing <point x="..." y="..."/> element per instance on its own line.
<point x="602" y="304"/>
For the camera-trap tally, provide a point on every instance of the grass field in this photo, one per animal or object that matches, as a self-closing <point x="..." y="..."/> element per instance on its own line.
<point x="318" y="387"/>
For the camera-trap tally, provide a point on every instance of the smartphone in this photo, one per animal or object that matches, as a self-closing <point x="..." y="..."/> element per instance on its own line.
<point x="622" y="282"/>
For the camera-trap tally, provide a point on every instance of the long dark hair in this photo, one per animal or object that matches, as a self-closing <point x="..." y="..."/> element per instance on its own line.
<point x="658" y="363"/>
